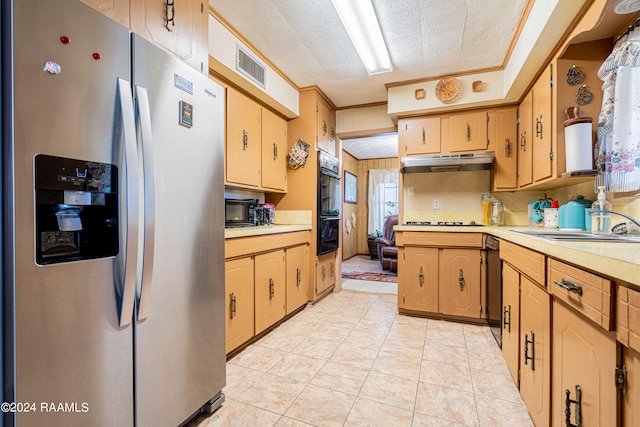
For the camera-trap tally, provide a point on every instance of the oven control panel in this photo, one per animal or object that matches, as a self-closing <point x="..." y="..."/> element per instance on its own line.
<point x="329" y="163"/>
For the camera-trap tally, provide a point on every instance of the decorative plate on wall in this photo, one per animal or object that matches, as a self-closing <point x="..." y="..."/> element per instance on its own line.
<point x="447" y="89"/>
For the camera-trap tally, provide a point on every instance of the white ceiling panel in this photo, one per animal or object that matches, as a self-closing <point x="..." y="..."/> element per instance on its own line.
<point x="425" y="38"/>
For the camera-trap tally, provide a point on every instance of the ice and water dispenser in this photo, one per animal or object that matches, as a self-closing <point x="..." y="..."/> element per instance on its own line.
<point x="76" y="209"/>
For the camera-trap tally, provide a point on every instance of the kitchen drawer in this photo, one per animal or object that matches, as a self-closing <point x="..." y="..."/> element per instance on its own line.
<point x="628" y="317"/>
<point x="439" y="239"/>
<point x="591" y="295"/>
<point x="528" y="262"/>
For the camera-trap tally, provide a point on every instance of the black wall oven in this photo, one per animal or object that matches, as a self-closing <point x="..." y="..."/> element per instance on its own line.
<point x="328" y="202"/>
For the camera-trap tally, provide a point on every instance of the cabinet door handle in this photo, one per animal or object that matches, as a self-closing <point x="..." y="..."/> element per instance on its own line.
<point x="421" y="276"/>
<point x="275" y="151"/>
<point x="533" y="350"/>
<point x="523" y="141"/>
<point x="424" y="138"/>
<point x="569" y="286"/>
<point x="272" y="288"/>
<point x="170" y="15"/>
<point x="332" y="134"/>
<point x="245" y="140"/>
<point x="539" y="127"/>
<point x="461" y="280"/>
<point x="297" y="277"/>
<point x="506" y="318"/>
<point x="324" y="273"/>
<point x="507" y="147"/>
<point x="567" y="407"/>
<point x="324" y="127"/>
<point x="468" y="131"/>
<point x="232" y="305"/>
<point x="332" y="269"/>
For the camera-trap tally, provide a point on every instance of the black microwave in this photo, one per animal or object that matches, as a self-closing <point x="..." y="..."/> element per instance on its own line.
<point x="239" y="212"/>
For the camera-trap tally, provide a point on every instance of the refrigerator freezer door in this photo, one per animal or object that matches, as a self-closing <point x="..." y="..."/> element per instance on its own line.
<point x="180" y="349"/>
<point x="69" y="347"/>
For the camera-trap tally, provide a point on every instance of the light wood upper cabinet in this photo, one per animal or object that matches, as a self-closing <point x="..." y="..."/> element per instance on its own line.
<point x="420" y="135"/>
<point x="535" y="157"/>
<point x="239" y="302"/>
<point x="542" y="151"/>
<point x="525" y="141"/>
<point x="505" y="168"/>
<point x="418" y="279"/>
<point x="244" y="140"/>
<point x="584" y="359"/>
<point x="535" y="350"/>
<point x="459" y="289"/>
<point x="188" y="38"/>
<point x="118" y="10"/>
<point x="511" y="320"/>
<point x="297" y="259"/>
<point x="270" y="289"/>
<point x="274" y="151"/>
<point x="468" y="132"/>
<point x="326" y="128"/>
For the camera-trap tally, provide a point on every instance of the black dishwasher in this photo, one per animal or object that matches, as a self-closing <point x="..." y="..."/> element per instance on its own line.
<point x="494" y="287"/>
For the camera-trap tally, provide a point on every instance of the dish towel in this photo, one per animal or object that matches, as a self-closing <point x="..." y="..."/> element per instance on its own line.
<point x="617" y="150"/>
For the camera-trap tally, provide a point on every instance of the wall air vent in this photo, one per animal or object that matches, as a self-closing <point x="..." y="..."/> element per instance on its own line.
<point x="250" y="67"/>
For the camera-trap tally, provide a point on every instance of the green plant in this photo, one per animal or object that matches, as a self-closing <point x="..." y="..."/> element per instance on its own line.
<point x="376" y="233"/>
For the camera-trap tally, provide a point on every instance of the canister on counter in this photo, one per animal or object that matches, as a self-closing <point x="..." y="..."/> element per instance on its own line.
<point x="269" y="213"/>
<point x="486" y="209"/>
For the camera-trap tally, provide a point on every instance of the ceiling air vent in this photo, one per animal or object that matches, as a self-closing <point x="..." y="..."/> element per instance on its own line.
<point x="250" y="67"/>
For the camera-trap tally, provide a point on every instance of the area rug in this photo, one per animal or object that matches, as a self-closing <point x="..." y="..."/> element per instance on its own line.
<point x="374" y="277"/>
<point x="362" y="267"/>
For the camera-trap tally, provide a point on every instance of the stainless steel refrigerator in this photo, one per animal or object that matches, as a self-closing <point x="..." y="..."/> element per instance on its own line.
<point x="113" y="229"/>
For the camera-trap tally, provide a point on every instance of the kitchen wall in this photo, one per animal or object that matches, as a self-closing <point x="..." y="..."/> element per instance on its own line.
<point x="355" y="242"/>
<point x="457" y="193"/>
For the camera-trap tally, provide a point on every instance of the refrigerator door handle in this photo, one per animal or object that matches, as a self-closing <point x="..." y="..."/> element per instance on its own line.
<point x="126" y="284"/>
<point x="144" y="117"/>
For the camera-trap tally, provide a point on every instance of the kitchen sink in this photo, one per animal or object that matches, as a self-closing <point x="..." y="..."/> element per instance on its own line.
<point x="581" y="235"/>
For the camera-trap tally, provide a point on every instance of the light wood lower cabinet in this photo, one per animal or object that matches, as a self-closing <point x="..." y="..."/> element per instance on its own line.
<point x="325" y="272"/>
<point x="418" y="279"/>
<point x="583" y="364"/>
<point x="459" y="284"/>
<point x="239" y="305"/>
<point x="631" y="394"/>
<point x="535" y="350"/>
<point x="297" y="260"/>
<point x="270" y="288"/>
<point x="511" y="320"/>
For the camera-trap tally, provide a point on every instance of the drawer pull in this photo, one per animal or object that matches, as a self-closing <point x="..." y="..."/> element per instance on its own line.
<point x="421" y="276"/>
<point x="272" y="288"/>
<point x="533" y="350"/>
<point x="424" y="139"/>
<point x="569" y="286"/>
<point x="567" y="407"/>
<point x="467" y="131"/>
<point x="506" y="318"/>
<point x="232" y="305"/>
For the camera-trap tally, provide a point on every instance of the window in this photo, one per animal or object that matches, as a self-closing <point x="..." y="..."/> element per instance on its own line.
<point x="383" y="197"/>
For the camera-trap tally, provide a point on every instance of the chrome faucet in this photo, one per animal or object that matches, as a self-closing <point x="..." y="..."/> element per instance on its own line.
<point x="594" y="211"/>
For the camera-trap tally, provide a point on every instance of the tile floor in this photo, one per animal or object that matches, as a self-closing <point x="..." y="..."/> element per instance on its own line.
<point x="351" y="360"/>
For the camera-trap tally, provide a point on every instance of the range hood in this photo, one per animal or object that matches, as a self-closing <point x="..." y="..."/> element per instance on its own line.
<point x="447" y="162"/>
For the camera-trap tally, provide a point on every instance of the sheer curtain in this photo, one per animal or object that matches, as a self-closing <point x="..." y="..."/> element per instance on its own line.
<point x="379" y="181"/>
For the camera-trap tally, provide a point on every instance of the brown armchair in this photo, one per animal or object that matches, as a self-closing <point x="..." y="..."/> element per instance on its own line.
<point x="386" y="245"/>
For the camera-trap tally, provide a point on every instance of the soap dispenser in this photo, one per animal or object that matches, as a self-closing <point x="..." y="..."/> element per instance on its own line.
<point x="601" y="221"/>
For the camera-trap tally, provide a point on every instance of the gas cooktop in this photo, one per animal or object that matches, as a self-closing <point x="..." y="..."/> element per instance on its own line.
<point x="444" y="223"/>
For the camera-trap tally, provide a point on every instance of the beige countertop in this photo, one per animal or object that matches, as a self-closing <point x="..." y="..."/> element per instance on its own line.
<point x="230" y="233"/>
<point x="617" y="260"/>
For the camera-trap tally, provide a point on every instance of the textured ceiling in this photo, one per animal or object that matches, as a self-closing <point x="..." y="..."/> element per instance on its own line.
<point x="373" y="147"/>
<point x="425" y="38"/>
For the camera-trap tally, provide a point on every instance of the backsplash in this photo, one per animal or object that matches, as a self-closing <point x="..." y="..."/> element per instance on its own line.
<point x="457" y="193"/>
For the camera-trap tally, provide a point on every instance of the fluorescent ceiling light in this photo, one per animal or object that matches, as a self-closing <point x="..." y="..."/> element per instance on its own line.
<point x="361" y="23"/>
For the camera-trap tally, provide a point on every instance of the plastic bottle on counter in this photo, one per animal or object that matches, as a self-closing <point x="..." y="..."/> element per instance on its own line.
<point x="601" y="221"/>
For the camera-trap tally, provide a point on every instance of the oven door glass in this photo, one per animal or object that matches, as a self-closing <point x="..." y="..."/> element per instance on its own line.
<point x="329" y="195"/>
<point x="328" y="234"/>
